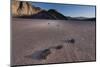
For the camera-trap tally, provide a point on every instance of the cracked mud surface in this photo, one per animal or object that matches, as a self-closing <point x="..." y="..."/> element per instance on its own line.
<point x="36" y="41"/>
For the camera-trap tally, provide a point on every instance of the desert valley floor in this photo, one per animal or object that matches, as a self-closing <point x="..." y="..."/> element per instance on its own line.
<point x="60" y="40"/>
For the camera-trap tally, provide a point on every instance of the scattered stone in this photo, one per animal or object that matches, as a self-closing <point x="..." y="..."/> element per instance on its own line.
<point x="59" y="47"/>
<point x="70" y="41"/>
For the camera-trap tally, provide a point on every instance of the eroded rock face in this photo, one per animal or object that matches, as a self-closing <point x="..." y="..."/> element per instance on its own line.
<point x="25" y="9"/>
<point x="22" y="8"/>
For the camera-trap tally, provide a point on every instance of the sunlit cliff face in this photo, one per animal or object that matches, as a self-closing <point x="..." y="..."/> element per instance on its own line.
<point x="22" y="8"/>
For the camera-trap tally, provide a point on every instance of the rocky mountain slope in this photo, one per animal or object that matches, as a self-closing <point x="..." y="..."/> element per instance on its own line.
<point x="23" y="8"/>
<point x="57" y="14"/>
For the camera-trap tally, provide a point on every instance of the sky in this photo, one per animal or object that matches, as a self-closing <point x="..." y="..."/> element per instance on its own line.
<point x="69" y="9"/>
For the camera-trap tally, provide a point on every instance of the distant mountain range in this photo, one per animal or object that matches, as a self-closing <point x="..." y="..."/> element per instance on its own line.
<point x="22" y="9"/>
<point x="82" y="18"/>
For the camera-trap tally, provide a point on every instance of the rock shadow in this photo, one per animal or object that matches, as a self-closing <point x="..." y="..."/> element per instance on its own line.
<point x="43" y="54"/>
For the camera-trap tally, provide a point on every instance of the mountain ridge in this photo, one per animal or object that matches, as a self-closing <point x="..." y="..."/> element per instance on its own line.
<point x="24" y="9"/>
